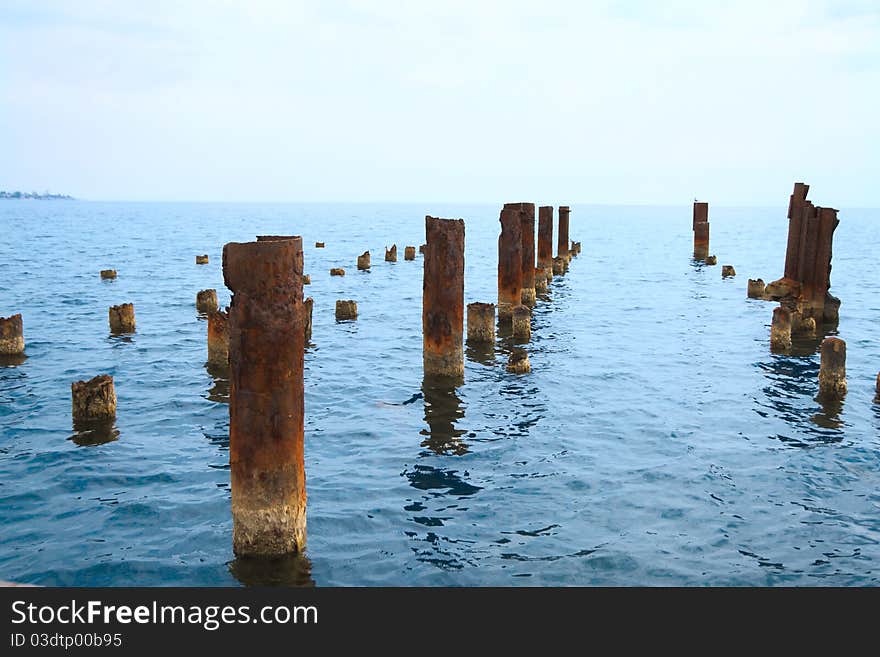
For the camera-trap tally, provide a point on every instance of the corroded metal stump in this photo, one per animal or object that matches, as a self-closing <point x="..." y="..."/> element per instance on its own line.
<point x="727" y="271"/>
<point x="363" y="261"/>
<point x="558" y="266"/>
<point x="562" y="238"/>
<point x="443" y="297"/>
<point x="319" y="245"/>
<point x="218" y="338"/>
<point x="780" y="329"/>
<point x="308" y="305"/>
<point x="206" y="301"/>
<point x="337" y="271"/>
<point x="108" y="274"/>
<point x="527" y="234"/>
<point x="522" y="322"/>
<point x="11" y="336"/>
<point x="409" y="253"/>
<point x="391" y="254"/>
<point x="701" y="230"/>
<point x="518" y="362"/>
<point x="509" y="262"/>
<point x="756" y="289"/>
<point x="346" y="309"/>
<point x="481" y="322"/>
<point x="545" y="239"/>
<point x="94" y="399"/>
<point x="202" y="259"/>
<point x="832" y="369"/>
<point x="266" y="343"/>
<point x="307" y="279"/>
<point x="122" y="318"/>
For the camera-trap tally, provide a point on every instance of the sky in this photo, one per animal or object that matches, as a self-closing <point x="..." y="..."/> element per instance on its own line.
<point x="456" y="101"/>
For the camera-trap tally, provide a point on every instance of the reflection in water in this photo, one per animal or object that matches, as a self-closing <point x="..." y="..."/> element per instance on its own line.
<point x="442" y="408"/>
<point x="829" y="417"/>
<point x="94" y="432"/>
<point x="293" y="570"/>
<point x="481" y="352"/>
<point x="219" y="392"/>
<point x="12" y="360"/>
<point x="426" y="477"/>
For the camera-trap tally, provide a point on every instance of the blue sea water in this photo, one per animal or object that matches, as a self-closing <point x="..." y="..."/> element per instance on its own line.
<point x="657" y="441"/>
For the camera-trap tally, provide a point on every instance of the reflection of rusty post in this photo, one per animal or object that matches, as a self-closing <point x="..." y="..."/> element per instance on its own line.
<point x="545" y="236"/>
<point x="780" y="329"/>
<point x="509" y="262"/>
<point x="391" y="254"/>
<point x="832" y="370"/>
<point x="443" y="297"/>
<point x="122" y="318"/>
<point x="94" y="399"/>
<point x="206" y="301"/>
<point x="755" y="289"/>
<point x="409" y="253"/>
<point x="562" y="239"/>
<point x="11" y="336"/>
<point x="218" y="338"/>
<point x="522" y="323"/>
<point x="266" y="396"/>
<point x="481" y="322"/>
<point x="527" y="219"/>
<point x="308" y="304"/>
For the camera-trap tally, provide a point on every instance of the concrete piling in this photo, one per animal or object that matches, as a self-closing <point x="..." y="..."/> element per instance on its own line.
<point x="363" y="261"/>
<point x="541" y="279"/>
<point x="308" y="305"/>
<point x="108" y="274"/>
<point x="94" y="399"/>
<point x="202" y="259"/>
<point x="832" y="370"/>
<point x="481" y="323"/>
<point x="522" y="323"/>
<point x="701" y="230"/>
<point x="756" y="289"/>
<point x="574" y="249"/>
<point x="780" y="329"/>
<point x="391" y="254"/>
<point x="518" y="362"/>
<point x="218" y="338"/>
<point x="409" y="253"/>
<point x="727" y="271"/>
<point x="346" y="309"/>
<point x="509" y="262"/>
<point x="562" y="238"/>
<point x="443" y="297"/>
<point x="558" y="266"/>
<point x="266" y="345"/>
<point x="337" y="271"/>
<point x="11" y="336"/>
<point x="206" y="301"/>
<point x="122" y="318"/>
<point x="319" y="245"/>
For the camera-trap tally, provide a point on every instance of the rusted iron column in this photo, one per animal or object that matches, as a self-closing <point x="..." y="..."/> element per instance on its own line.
<point x="206" y="301"/>
<point x="527" y="219"/>
<point x="266" y="338"/>
<point x="562" y="241"/>
<point x="443" y="297"/>
<point x="558" y="266"/>
<point x="481" y="322"/>
<point x="545" y="239"/>
<point x="11" y="336"/>
<point x="122" y="318"/>
<point x="509" y="263"/>
<point x="832" y="370"/>
<point x="701" y="229"/>
<point x="796" y="203"/>
<point x="94" y="399"/>
<point x="218" y="338"/>
<point x="780" y="329"/>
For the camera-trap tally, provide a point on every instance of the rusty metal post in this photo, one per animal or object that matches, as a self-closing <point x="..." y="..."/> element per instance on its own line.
<point x="509" y="262"/>
<point x="218" y="338"/>
<point x="562" y="239"/>
<point x="409" y="253"/>
<point x="122" y="318"/>
<point x="443" y="297"/>
<point x="545" y="238"/>
<point x="701" y="229"/>
<point x="206" y="301"/>
<point x="266" y="338"/>
<point x="832" y="370"/>
<point x="527" y="219"/>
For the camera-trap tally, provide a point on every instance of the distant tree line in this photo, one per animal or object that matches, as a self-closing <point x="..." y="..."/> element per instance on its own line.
<point x="45" y="196"/>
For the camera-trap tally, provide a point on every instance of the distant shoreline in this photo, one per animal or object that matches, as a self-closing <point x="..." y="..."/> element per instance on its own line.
<point x="34" y="196"/>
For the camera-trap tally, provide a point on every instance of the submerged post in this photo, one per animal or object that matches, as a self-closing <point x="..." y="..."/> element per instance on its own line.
<point x="11" y="336"/>
<point x="122" y="318"/>
<point x="562" y="241"/>
<point x="218" y="338"/>
<point x="509" y="262"/>
<point x="443" y="297"/>
<point x="94" y="399"/>
<point x="832" y="370"/>
<point x="481" y="322"/>
<point x="266" y="396"/>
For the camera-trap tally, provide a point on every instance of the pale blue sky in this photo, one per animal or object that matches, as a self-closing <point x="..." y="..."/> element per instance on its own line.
<point x="602" y="102"/>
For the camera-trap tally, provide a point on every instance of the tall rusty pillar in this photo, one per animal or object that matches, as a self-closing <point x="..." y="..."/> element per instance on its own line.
<point x="509" y="263"/>
<point x="527" y="216"/>
<point x="443" y="297"/>
<point x="545" y="239"/>
<point x="562" y="239"/>
<point x="266" y="410"/>
<point x="796" y="203"/>
<point x="701" y="230"/>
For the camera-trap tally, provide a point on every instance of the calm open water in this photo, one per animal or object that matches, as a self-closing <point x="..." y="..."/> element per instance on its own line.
<point x="657" y="440"/>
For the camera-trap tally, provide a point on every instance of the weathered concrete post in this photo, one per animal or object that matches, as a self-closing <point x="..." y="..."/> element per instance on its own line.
<point x="727" y="271"/>
<point x="218" y="338"/>
<point x="780" y="329"/>
<point x="522" y="323"/>
<point x="94" y="399"/>
<point x="346" y="309"/>
<point x="481" y="322"/>
<point x="122" y="318"/>
<point x="541" y="275"/>
<point x="363" y="261"/>
<point x="266" y="396"/>
<point x="711" y="260"/>
<point x="206" y="301"/>
<point x="562" y="241"/>
<point x="832" y="370"/>
<point x="308" y="305"/>
<point x="527" y="218"/>
<point x="509" y="262"/>
<point x="391" y="254"/>
<point x="108" y="274"/>
<point x="337" y="271"/>
<point x="558" y="266"/>
<point x="518" y="362"/>
<point x="409" y="253"/>
<point x="11" y="336"/>
<point x="701" y="230"/>
<point x="443" y="297"/>
<point x="319" y="245"/>
<point x="756" y="289"/>
<point x="307" y="279"/>
<point x="202" y="259"/>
